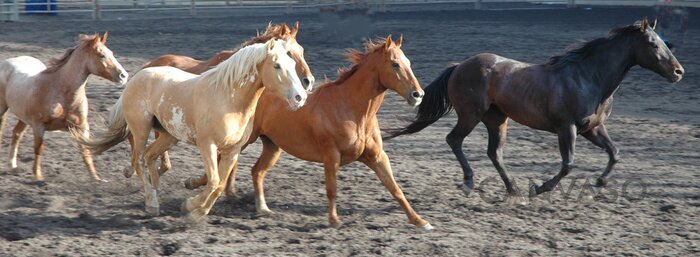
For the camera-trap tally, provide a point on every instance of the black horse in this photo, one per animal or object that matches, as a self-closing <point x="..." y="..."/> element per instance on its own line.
<point x="569" y="95"/>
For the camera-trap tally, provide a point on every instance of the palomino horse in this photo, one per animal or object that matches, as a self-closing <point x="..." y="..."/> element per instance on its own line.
<point x="54" y="98"/>
<point x="338" y="125"/>
<point x="282" y="31"/>
<point x="571" y="94"/>
<point x="198" y="67"/>
<point x="212" y="111"/>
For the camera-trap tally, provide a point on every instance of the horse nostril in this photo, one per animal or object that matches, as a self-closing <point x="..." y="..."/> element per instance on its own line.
<point x="122" y="75"/>
<point x="415" y="94"/>
<point x="679" y="72"/>
<point x="306" y="81"/>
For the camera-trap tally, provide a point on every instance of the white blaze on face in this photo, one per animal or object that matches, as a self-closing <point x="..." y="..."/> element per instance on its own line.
<point x="288" y="70"/>
<point x="109" y="54"/>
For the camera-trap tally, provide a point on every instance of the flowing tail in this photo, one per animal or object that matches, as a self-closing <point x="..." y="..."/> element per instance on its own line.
<point x="435" y="104"/>
<point x="117" y="131"/>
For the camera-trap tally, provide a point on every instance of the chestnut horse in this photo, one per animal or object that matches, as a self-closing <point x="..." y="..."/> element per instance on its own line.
<point x="191" y="65"/>
<point x="337" y="126"/>
<point x="281" y="31"/>
<point x="571" y="94"/>
<point x="211" y="111"/>
<point x="53" y="98"/>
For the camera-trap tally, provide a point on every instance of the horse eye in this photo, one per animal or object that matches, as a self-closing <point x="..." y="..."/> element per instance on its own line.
<point x="289" y="53"/>
<point x="102" y="56"/>
<point x="395" y="65"/>
<point x="277" y="66"/>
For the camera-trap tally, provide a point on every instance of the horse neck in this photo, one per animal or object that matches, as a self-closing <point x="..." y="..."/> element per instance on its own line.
<point x="607" y="68"/>
<point x="245" y="98"/>
<point x="69" y="79"/>
<point x="363" y="91"/>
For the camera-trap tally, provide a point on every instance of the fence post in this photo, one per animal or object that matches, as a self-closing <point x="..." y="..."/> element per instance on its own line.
<point x="193" y="9"/>
<point x="96" y="10"/>
<point x="572" y="3"/>
<point x="477" y="4"/>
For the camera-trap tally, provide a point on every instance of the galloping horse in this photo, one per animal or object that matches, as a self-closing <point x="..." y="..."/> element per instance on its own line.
<point x="212" y="111"/>
<point x="282" y="31"/>
<point x="198" y="67"/>
<point x="337" y="126"/>
<point x="54" y="98"/>
<point x="569" y="95"/>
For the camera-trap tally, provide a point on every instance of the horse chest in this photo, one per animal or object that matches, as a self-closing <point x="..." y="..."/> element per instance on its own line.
<point x="58" y="117"/>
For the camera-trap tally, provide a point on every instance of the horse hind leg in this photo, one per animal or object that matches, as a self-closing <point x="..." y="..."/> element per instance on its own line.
<point x="599" y="137"/>
<point x="455" y="139"/>
<point x="497" y="126"/>
<point x="153" y="151"/>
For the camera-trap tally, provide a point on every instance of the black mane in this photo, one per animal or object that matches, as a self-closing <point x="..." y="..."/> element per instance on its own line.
<point x="579" y="53"/>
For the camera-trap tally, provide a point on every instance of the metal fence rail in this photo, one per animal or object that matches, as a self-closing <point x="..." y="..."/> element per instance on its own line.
<point x="11" y="9"/>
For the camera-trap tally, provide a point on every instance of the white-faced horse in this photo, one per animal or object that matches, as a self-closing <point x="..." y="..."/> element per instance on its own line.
<point x="54" y="98"/>
<point x="212" y="111"/>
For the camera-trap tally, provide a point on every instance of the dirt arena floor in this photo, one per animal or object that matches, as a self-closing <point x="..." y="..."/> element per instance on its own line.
<point x="652" y="207"/>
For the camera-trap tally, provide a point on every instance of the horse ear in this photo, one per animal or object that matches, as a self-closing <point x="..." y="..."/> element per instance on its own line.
<point x="400" y="41"/>
<point x="653" y="24"/>
<point x="388" y="42"/>
<point x="645" y="24"/>
<point x="285" y="29"/>
<point x="270" y="45"/>
<point x="295" y="29"/>
<point x="96" y="39"/>
<point x="104" y="37"/>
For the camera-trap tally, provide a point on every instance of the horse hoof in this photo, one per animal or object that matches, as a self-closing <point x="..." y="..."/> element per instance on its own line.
<point x="515" y="200"/>
<point x="467" y="189"/>
<point x="128" y="172"/>
<point x="534" y="191"/>
<point x="264" y="212"/>
<point x="601" y="182"/>
<point x="194" y="218"/>
<point x="189" y="184"/>
<point x="426" y="226"/>
<point x="185" y="207"/>
<point x="153" y="211"/>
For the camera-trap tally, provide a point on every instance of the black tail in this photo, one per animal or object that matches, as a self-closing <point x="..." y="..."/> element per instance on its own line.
<point x="435" y="104"/>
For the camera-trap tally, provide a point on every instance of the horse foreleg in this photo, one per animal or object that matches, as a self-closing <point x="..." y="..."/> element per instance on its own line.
<point x="38" y="151"/>
<point x="382" y="167"/>
<point x="497" y="127"/>
<point x="226" y="163"/>
<point x="269" y="156"/>
<point x="567" y="143"/>
<point x="193" y="206"/>
<point x="331" y="164"/>
<point x="17" y="134"/>
<point x="87" y="157"/>
<point x="599" y="137"/>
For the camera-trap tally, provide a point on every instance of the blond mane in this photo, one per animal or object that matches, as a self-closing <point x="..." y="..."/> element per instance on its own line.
<point x="240" y="69"/>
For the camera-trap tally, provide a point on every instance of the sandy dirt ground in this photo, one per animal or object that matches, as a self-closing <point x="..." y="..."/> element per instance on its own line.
<point x="650" y="209"/>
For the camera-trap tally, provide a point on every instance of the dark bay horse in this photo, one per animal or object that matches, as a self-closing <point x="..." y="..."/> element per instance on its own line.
<point x="569" y="95"/>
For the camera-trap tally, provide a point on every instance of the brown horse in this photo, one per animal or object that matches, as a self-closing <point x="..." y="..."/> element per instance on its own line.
<point x="282" y="31"/>
<point x="571" y="94"/>
<point x="338" y="125"/>
<point x="54" y="98"/>
<point x="194" y="66"/>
